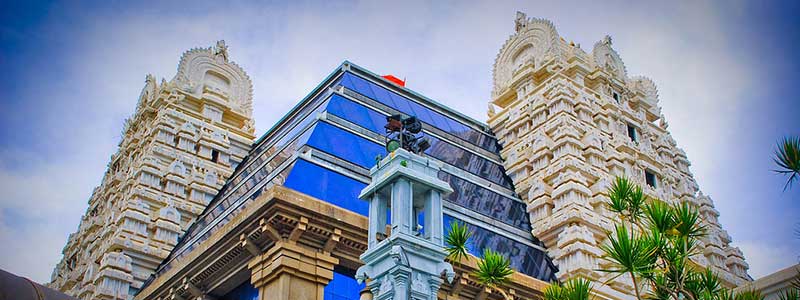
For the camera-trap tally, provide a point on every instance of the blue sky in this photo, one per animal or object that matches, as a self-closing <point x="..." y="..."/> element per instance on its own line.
<point x="726" y="73"/>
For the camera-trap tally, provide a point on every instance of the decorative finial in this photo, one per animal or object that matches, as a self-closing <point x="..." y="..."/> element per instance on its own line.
<point x="221" y="50"/>
<point x="607" y="40"/>
<point x="520" y="21"/>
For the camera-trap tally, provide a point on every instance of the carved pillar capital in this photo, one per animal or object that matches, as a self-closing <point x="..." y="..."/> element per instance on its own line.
<point x="290" y="271"/>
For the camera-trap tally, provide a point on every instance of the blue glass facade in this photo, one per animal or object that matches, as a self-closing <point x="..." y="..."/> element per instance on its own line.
<point x="348" y="149"/>
<point x="343" y="287"/>
<point x="245" y="291"/>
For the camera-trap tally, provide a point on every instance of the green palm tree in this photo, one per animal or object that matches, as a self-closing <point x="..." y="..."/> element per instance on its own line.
<point x="555" y="291"/>
<point x="627" y="200"/>
<point x="493" y="269"/>
<point x="574" y="289"/>
<point x="790" y="294"/>
<point x="579" y="289"/>
<point x="787" y="156"/>
<point x="618" y="195"/>
<point x="457" y="241"/>
<point x="629" y="253"/>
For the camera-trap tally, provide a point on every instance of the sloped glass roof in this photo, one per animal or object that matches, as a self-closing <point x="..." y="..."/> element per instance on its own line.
<point x="325" y="146"/>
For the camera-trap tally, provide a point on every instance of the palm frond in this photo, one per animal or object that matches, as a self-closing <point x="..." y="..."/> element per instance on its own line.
<point x="659" y="216"/>
<point x="555" y="291"/>
<point x="618" y="195"/>
<point x="787" y="157"/>
<point x="749" y="295"/>
<point x="629" y="253"/>
<point x="636" y="203"/>
<point x="578" y="289"/>
<point x="790" y="294"/>
<point x="457" y="241"/>
<point x="688" y="221"/>
<point x="493" y="269"/>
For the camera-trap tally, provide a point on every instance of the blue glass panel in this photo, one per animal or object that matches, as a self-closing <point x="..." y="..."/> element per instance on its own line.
<point x="343" y="287"/>
<point x="374" y="121"/>
<point x="486" y="202"/>
<point x="356" y="113"/>
<point x="347" y="81"/>
<point x="345" y="145"/>
<point x="400" y="103"/>
<point x="525" y="259"/>
<point x="410" y="107"/>
<point x="430" y="117"/>
<point x="346" y="109"/>
<point x="246" y="291"/>
<point x="362" y="86"/>
<point x="327" y="185"/>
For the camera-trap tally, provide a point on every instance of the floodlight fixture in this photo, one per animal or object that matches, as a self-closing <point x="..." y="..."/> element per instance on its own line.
<point x="394" y="123"/>
<point x="412" y="124"/>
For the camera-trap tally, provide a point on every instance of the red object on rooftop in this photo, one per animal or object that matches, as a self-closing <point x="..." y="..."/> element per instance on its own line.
<point x="395" y="80"/>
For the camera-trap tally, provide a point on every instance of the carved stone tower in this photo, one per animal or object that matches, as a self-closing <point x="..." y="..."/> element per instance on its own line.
<point x="184" y="140"/>
<point x="408" y="262"/>
<point x="569" y="122"/>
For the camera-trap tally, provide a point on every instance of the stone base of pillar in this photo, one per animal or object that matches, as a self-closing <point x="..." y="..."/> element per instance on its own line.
<point x="288" y="271"/>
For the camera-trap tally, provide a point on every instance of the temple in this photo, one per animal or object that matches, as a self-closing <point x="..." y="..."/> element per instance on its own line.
<point x="184" y="140"/>
<point x="192" y="207"/>
<point x="568" y="122"/>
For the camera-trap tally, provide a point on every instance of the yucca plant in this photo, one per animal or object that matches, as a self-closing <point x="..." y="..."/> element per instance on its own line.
<point x="791" y="293"/>
<point x="653" y="244"/>
<point x="787" y="157"/>
<point x="555" y="291"/>
<point x="618" y="195"/>
<point x="748" y="295"/>
<point x="627" y="200"/>
<point x="457" y="242"/>
<point x="629" y="253"/>
<point x="687" y="221"/>
<point x="493" y="269"/>
<point x="574" y="289"/>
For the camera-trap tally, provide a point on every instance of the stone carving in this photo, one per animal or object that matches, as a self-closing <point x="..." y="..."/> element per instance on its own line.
<point x="200" y="68"/>
<point x="146" y="182"/>
<point x="607" y="58"/>
<point x="533" y="43"/>
<point x="588" y="146"/>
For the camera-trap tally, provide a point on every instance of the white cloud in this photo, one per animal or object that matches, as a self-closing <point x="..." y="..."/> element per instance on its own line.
<point x="764" y="259"/>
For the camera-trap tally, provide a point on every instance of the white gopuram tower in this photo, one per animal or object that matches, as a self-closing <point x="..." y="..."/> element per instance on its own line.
<point x="569" y="122"/>
<point x="408" y="262"/>
<point x="184" y="140"/>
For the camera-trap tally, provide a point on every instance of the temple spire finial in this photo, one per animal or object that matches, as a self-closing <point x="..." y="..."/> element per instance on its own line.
<point x="520" y="21"/>
<point x="221" y="50"/>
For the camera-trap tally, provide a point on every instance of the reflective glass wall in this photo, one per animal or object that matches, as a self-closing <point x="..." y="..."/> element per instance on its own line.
<point x="325" y="146"/>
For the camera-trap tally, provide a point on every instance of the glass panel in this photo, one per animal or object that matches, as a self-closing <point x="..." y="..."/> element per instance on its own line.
<point x="356" y="113"/>
<point x="362" y="86"/>
<point x="525" y="259"/>
<point x="327" y="185"/>
<point x="345" y="145"/>
<point x="410" y="107"/>
<point x="216" y="209"/>
<point x="486" y="202"/>
<point x="441" y="150"/>
<point x="246" y="291"/>
<point x="343" y="287"/>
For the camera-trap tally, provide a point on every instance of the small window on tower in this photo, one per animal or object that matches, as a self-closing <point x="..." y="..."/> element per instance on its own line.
<point x="650" y="178"/>
<point x="616" y="96"/>
<point x="632" y="132"/>
<point x="214" y="155"/>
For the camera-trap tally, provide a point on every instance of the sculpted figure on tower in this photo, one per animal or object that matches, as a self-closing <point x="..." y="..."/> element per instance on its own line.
<point x="569" y="122"/>
<point x="185" y="138"/>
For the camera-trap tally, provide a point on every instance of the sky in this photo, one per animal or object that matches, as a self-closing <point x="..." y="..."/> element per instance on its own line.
<point x="72" y="72"/>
